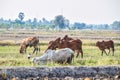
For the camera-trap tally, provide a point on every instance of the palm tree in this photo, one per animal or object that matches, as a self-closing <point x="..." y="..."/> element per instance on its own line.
<point x="21" y="16"/>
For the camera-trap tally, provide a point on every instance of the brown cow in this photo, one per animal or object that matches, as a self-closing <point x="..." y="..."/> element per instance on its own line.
<point x="75" y="45"/>
<point x="31" y="42"/>
<point x="105" y="45"/>
<point x="52" y="44"/>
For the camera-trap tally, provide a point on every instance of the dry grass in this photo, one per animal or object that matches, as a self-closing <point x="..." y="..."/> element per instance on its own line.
<point x="10" y="56"/>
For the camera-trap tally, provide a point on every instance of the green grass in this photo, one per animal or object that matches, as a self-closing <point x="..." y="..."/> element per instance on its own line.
<point x="10" y="56"/>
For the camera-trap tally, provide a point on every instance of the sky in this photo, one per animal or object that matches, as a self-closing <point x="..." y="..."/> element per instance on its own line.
<point x="87" y="11"/>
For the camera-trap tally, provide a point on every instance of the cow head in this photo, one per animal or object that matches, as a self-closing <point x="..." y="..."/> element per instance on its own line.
<point x="22" y="49"/>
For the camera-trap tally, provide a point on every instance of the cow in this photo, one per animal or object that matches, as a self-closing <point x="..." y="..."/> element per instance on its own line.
<point x="61" y="56"/>
<point x="30" y="42"/>
<point x="67" y="42"/>
<point x="105" y="45"/>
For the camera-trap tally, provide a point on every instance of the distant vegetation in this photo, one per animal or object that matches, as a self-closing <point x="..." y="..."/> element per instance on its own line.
<point x="58" y="23"/>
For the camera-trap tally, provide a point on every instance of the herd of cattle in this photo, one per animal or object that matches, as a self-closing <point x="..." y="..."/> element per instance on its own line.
<point x="66" y="49"/>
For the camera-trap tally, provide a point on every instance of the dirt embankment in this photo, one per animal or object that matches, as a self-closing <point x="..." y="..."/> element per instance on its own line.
<point x="61" y="73"/>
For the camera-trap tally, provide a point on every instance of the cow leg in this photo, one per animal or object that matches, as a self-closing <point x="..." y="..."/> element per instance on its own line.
<point x="39" y="49"/>
<point x="102" y="53"/>
<point x="35" y="50"/>
<point x="68" y="60"/>
<point x="72" y="58"/>
<point x="113" y="53"/>
<point x="77" y="53"/>
<point x="105" y="52"/>
<point x="81" y="53"/>
<point x="65" y="61"/>
<point x="25" y="50"/>
<point x="109" y="51"/>
<point x="80" y="50"/>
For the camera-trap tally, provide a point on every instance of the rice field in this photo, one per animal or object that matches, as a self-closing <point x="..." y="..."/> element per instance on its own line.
<point x="10" y="56"/>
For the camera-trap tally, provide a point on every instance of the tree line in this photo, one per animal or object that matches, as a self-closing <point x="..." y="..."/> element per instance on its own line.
<point x="58" y="23"/>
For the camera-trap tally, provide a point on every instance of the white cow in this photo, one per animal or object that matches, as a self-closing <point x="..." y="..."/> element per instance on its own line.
<point x="61" y="56"/>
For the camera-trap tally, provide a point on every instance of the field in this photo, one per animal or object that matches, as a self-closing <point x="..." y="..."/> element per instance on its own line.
<point x="10" y="44"/>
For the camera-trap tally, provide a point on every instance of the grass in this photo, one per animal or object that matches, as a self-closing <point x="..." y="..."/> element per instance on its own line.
<point x="10" y="56"/>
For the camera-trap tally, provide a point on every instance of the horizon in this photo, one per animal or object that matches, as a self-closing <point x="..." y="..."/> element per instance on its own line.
<point x="84" y="11"/>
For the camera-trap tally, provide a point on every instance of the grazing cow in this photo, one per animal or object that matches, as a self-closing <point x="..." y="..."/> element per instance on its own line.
<point x="105" y="45"/>
<point x="31" y="42"/>
<point x="66" y="42"/>
<point x="60" y="56"/>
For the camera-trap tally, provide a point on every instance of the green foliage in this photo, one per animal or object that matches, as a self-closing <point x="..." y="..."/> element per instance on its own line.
<point x="61" y="22"/>
<point x="116" y="25"/>
<point x="78" y="25"/>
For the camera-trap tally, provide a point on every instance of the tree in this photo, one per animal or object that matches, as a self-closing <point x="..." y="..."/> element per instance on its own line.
<point x="61" y="22"/>
<point x="34" y="22"/>
<point x="67" y="23"/>
<point x="45" y="22"/>
<point x="21" y="16"/>
<point x="106" y="26"/>
<point x="78" y="25"/>
<point x="116" y="25"/>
